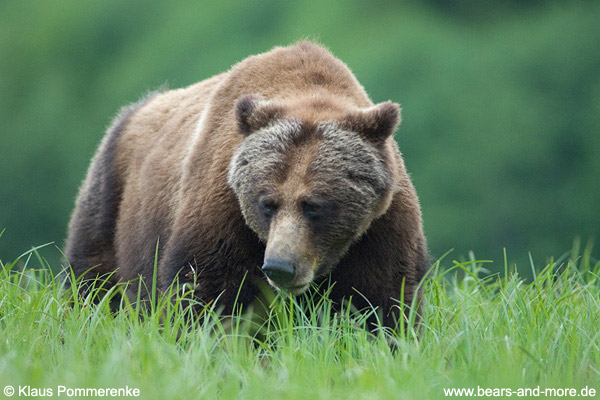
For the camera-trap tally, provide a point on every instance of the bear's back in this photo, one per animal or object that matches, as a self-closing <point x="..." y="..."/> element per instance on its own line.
<point x="168" y="121"/>
<point x="165" y="122"/>
<point x="295" y="71"/>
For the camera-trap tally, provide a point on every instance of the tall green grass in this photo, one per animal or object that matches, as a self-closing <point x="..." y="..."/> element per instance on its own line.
<point x="476" y="330"/>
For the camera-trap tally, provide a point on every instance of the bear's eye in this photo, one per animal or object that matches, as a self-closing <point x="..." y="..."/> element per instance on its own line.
<point x="311" y="209"/>
<point x="269" y="208"/>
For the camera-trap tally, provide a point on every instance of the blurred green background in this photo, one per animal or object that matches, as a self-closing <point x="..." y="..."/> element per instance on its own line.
<point x="501" y="102"/>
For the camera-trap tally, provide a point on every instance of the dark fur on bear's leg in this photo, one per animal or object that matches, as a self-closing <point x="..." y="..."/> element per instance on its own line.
<point x="232" y="281"/>
<point x="90" y="248"/>
<point x="384" y="267"/>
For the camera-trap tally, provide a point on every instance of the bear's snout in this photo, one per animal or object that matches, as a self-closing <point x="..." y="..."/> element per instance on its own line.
<point x="279" y="271"/>
<point x="289" y="260"/>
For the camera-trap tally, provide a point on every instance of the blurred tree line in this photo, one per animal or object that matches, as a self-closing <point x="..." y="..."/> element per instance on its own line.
<point x="501" y="101"/>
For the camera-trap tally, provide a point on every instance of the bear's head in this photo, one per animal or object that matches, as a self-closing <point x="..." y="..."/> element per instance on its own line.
<point x="310" y="189"/>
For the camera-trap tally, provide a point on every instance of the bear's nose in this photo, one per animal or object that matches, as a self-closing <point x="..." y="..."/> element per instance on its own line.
<point x="280" y="271"/>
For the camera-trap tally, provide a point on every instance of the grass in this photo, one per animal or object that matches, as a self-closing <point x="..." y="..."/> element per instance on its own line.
<point x="477" y="330"/>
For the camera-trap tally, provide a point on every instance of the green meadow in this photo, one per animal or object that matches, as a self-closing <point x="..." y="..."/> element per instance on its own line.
<point x="479" y="330"/>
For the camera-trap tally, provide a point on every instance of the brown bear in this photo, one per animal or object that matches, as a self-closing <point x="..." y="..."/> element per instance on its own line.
<point x="280" y="169"/>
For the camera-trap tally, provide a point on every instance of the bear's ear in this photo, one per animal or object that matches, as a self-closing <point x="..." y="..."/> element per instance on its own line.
<point x="254" y="113"/>
<point x="376" y="123"/>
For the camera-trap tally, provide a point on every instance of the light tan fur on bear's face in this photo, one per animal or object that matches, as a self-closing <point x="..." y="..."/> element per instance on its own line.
<point x="309" y="189"/>
<point x="289" y="235"/>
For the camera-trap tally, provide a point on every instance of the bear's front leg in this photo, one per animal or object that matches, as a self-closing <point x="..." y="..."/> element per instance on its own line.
<point x="222" y="270"/>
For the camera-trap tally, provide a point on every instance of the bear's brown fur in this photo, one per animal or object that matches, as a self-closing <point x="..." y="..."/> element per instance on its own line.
<point x="283" y="161"/>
